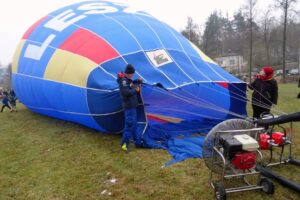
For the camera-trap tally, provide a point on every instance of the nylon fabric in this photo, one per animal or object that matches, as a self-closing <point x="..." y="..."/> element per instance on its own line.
<point x="66" y="67"/>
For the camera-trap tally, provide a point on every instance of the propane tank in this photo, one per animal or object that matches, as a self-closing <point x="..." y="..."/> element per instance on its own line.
<point x="277" y="138"/>
<point x="264" y="141"/>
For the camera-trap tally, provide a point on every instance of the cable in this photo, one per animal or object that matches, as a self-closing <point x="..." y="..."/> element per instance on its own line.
<point x="197" y="104"/>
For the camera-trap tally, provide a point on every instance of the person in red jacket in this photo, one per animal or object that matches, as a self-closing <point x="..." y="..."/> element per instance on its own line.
<point x="265" y="92"/>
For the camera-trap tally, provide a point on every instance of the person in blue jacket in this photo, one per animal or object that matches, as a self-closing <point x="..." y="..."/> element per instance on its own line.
<point x="12" y="98"/>
<point x="129" y="91"/>
<point x="5" y="101"/>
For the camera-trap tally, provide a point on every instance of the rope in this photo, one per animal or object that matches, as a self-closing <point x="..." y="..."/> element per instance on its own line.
<point x="197" y="104"/>
<point x="243" y="99"/>
<point x="213" y="106"/>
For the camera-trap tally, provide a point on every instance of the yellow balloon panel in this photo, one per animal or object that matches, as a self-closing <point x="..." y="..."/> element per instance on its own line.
<point x="70" y="68"/>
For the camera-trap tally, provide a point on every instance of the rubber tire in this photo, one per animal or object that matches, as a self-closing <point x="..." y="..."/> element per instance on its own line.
<point x="268" y="186"/>
<point x="220" y="191"/>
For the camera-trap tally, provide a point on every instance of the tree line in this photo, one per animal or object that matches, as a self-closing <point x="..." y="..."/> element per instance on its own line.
<point x="264" y="39"/>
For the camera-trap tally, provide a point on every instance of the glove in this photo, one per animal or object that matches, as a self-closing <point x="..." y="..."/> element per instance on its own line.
<point x="139" y="81"/>
<point x="137" y="89"/>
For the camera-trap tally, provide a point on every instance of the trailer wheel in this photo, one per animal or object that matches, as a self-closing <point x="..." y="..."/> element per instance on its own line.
<point x="220" y="191"/>
<point x="268" y="186"/>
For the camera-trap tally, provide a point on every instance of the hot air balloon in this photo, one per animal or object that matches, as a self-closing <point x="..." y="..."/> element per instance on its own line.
<point x="66" y="67"/>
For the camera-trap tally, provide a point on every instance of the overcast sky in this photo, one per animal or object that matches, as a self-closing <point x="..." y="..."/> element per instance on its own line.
<point x="16" y="16"/>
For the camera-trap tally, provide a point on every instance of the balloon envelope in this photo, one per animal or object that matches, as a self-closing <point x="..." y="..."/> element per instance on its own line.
<point x="66" y="67"/>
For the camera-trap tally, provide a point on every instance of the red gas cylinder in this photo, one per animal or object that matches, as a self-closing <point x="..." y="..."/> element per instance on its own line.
<point x="263" y="141"/>
<point x="244" y="160"/>
<point x="278" y="137"/>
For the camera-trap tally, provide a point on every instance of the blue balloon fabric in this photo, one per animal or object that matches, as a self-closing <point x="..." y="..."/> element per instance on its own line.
<point x="66" y="66"/>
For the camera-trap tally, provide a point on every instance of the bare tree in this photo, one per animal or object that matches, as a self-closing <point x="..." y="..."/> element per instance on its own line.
<point x="243" y="35"/>
<point x="285" y="5"/>
<point x="250" y="7"/>
<point x="266" y="33"/>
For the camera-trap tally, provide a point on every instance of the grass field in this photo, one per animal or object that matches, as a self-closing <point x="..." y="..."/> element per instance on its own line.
<point x="45" y="158"/>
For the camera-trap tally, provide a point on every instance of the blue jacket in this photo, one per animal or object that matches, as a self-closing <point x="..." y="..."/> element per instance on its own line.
<point x="128" y="93"/>
<point x="5" y="100"/>
<point x="12" y="99"/>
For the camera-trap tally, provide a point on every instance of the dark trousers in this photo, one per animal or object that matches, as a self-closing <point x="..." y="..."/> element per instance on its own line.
<point x="5" y="105"/>
<point x="130" y="126"/>
<point x="298" y="96"/>
<point x="257" y="110"/>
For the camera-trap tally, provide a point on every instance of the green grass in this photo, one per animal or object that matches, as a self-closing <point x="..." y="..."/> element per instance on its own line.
<point x="45" y="158"/>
